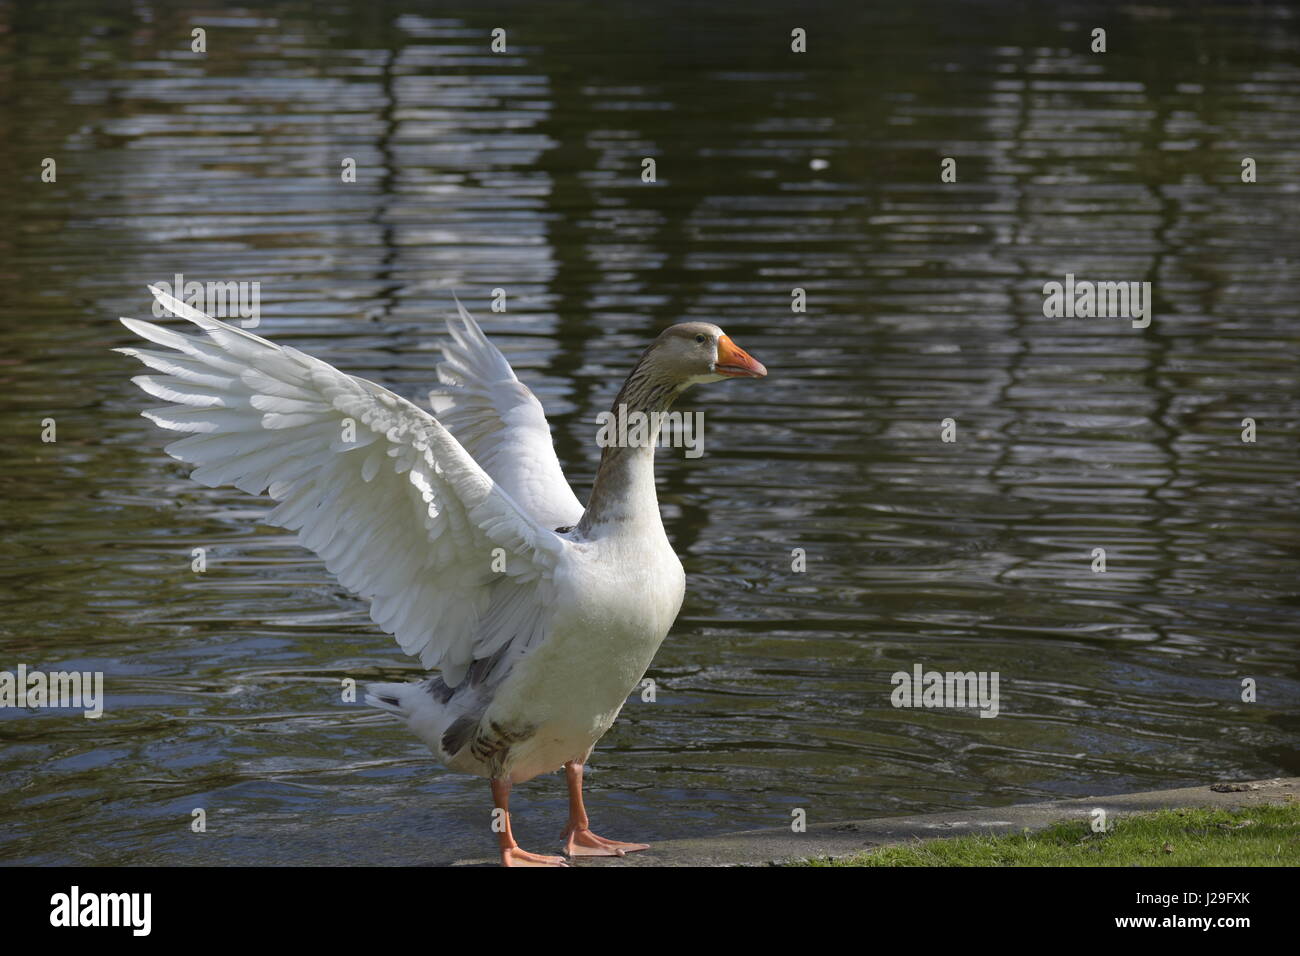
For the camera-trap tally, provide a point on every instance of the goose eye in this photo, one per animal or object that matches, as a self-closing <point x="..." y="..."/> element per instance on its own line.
<point x="700" y="338"/>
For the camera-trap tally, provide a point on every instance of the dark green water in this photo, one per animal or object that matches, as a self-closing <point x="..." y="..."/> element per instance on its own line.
<point x="522" y="171"/>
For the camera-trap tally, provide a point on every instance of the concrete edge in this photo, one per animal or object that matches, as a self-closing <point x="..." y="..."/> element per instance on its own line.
<point x="765" y="847"/>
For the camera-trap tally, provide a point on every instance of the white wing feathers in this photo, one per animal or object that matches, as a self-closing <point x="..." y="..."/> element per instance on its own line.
<point x="501" y="424"/>
<point x="402" y="515"/>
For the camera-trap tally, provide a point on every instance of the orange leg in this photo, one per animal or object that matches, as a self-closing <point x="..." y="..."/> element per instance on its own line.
<point x="511" y="855"/>
<point x="578" y="838"/>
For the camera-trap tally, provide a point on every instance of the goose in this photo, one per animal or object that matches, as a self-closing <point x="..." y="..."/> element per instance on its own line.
<point x="537" y="616"/>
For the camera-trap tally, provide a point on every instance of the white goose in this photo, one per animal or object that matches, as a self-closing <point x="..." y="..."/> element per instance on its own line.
<point x="417" y="514"/>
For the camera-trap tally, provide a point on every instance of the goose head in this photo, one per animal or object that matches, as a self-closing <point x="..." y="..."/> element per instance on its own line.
<point x="692" y="353"/>
<point x="683" y="355"/>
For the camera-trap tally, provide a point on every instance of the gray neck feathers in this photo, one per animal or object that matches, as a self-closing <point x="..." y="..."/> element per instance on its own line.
<point x="624" y="486"/>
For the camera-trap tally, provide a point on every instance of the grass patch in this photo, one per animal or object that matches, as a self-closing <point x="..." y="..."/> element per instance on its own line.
<point x="1254" y="836"/>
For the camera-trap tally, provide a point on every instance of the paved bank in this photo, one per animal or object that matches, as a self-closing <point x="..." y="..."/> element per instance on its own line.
<point x="759" y="847"/>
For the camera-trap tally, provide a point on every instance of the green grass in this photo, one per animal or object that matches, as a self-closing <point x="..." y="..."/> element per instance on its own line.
<point x="1256" y="836"/>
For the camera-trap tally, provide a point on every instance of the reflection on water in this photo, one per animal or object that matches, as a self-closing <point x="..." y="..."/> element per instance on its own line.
<point x="522" y="171"/>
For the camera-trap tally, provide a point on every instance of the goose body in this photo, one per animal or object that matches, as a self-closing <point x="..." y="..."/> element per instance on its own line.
<point x="552" y="706"/>
<point x="538" y="615"/>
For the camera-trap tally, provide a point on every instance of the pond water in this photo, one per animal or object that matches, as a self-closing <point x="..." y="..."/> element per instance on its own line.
<point x="774" y="171"/>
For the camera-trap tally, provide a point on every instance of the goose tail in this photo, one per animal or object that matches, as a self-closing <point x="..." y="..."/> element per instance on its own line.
<point x="390" y="697"/>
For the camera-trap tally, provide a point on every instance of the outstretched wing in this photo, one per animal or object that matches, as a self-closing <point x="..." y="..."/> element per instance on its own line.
<point x="397" y="508"/>
<point x="501" y="424"/>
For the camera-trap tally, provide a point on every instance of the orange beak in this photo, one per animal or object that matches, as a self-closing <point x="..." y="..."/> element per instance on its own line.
<point x="735" y="361"/>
